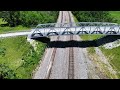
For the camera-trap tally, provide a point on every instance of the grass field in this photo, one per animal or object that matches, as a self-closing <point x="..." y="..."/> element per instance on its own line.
<point x="2" y="22"/>
<point x="115" y="15"/>
<point x="18" y="58"/>
<point x="7" y="29"/>
<point x="90" y="37"/>
<point x="113" y="56"/>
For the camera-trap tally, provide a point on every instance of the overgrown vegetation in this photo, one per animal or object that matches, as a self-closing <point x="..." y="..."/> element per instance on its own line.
<point x="93" y="16"/>
<point x="115" y="15"/>
<point x="2" y="22"/>
<point x="28" y="18"/>
<point x="12" y="21"/>
<point x="18" y="58"/>
<point x="6" y="72"/>
<point x="113" y="56"/>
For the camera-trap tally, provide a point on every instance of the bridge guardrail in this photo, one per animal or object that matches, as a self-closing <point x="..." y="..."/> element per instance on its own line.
<point x="49" y="29"/>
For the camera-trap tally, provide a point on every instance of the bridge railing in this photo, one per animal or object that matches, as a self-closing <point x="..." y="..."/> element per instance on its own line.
<point x="99" y="28"/>
<point x="51" y="29"/>
<point x="49" y="25"/>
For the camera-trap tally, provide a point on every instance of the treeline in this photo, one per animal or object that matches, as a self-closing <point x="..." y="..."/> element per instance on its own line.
<point x="28" y="18"/>
<point x="93" y="16"/>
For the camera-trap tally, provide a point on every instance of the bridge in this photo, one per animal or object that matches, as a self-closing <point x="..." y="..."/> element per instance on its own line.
<point x="79" y="28"/>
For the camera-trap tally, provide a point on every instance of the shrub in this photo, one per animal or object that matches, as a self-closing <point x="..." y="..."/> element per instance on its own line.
<point x="6" y="72"/>
<point x="2" y="51"/>
<point x="28" y="18"/>
<point x="93" y="16"/>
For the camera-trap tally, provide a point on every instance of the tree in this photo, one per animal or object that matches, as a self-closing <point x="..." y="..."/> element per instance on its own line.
<point x="93" y="16"/>
<point x="28" y="18"/>
<point x="12" y="17"/>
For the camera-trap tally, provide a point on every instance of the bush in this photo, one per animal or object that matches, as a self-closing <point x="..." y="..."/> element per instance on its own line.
<point x="93" y="16"/>
<point x="6" y="72"/>
<point x="2" y="51"/>
<point x="28" y="18"/>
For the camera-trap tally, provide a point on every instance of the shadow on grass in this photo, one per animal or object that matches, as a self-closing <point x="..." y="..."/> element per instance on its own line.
<point x="81" y="44"/>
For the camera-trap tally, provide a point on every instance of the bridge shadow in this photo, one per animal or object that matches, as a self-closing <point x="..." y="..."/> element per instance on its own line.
<point x="82" y="44"/>
<point x="42" y="39"/>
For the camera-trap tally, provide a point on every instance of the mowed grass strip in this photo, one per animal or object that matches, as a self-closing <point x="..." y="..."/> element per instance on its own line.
<point x="7" y="29"/>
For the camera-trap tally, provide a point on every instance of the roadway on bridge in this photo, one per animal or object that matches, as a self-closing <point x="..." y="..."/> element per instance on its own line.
<point x="15" y="34"/>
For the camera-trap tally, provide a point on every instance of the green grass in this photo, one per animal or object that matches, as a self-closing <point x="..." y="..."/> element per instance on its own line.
<point x="90" y="37"/>
<point x="13" y="29"/>
<point x="91" y="50"/>
<point x="2" y="22"/>
<point x="75" y="19"/>
<point x="115" y="15"/>
<point x="114" y="57"/>
<point x="19" y="56"/>
<point x="7" y="29"/>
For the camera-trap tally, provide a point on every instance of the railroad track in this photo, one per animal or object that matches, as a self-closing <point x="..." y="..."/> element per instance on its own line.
<point x="71" y="56"/>
<point x="66" y="62"/>
<point x="54" y="51"/>
<point x="58" y="63"/>
<point x="71" y="62"/>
